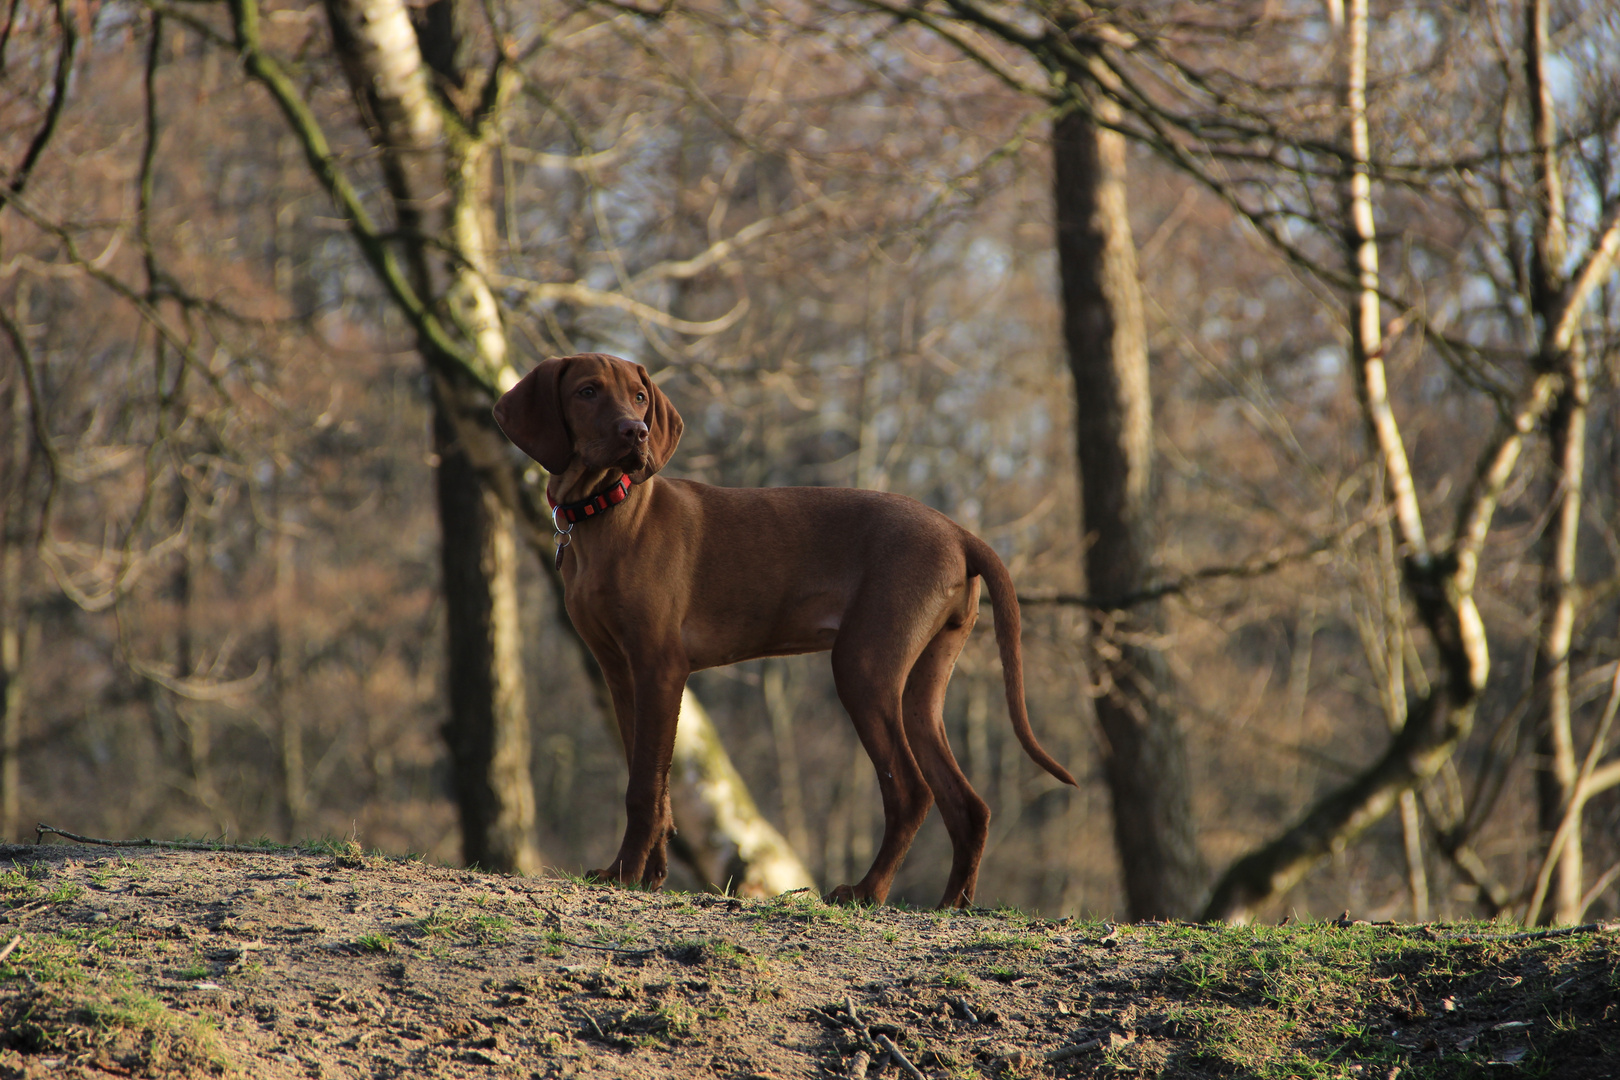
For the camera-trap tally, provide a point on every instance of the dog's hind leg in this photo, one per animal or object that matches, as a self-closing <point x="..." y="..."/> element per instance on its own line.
<point x="870" y="675"/>
<point x="966" y="816"/>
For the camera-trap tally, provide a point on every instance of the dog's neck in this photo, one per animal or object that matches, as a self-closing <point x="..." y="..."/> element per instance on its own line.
<point x="592" y="505"/>
<point x="579" y="483"/>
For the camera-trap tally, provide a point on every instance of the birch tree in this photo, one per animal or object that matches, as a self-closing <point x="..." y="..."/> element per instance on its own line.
<point x="437" y="137"/>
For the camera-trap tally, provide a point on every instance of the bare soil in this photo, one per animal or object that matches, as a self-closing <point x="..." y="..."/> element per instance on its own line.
<point x="306" y="964"/>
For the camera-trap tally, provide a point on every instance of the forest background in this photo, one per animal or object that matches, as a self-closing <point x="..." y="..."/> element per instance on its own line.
<point x="1272" y="345"/>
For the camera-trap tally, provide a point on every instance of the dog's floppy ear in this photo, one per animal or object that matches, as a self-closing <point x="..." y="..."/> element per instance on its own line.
<point x="664" y="428"/>
<point x="531" y="416"/>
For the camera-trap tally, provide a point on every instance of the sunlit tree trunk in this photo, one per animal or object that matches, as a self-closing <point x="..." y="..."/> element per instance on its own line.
<point x="1555" y="766"/>
<point x="725" y="838"/>
<point x="1143" y="749"/>
<point x="434" y="155"/>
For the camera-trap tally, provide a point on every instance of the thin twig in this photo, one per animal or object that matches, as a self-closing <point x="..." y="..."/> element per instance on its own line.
<point x="608" y="948"/>
<point x="10" y="946"/>
<point x="1562" y="931"/>
<point x="175" y="845"/>
<point x="1252" y="568"/>
<point x="594" y="1025"/>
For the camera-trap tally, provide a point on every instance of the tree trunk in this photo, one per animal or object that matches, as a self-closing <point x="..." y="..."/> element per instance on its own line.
<point x="488" y="729"/>
<point x="723" y="836"/>
<point x="14" y="475"/>
<point x="1144" y="754"/>
<point x="488" y="726"/>
<point x="1555" y="766"/>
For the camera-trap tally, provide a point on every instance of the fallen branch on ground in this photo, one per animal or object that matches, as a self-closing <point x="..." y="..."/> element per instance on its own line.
<point x="174" y="845"/>
<point x="898" y="1058"/>
<point x="1064" y="1053"/>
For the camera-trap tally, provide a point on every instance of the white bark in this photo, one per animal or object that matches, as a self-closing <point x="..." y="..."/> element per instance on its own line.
<point x="737" y="848"/>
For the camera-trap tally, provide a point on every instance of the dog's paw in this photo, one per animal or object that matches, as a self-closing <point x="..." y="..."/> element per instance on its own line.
<point x="603" y="877"/>
<point x="652" y="878"/>
<point x="844" y="894"/>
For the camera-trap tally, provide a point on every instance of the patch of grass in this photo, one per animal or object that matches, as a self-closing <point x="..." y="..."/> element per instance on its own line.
<point x="490" y="929"/>
<point x="65" y="893"/>
<point x="702" y="952"/>
<point x="333" y="846"/>
<point x="109" y="869"/>
<point x="264" y="843"/>
<point x="617" y="936"/>
<point x="17" y="887"/>
<point x="70" y="992"/>
<point x="197" y="969"/>
<point x="375" y="943"/>
<point x="997" y="941"/>
<point x="1324" y="1000"/>
<point x="1015" y="916"/>
<point x="806" y="906"/>
<point x="1203" y="973"/>
<point x="437" y="924"/>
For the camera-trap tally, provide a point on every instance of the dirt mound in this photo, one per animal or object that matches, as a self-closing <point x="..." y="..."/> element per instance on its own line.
<point x="336" y="964"/>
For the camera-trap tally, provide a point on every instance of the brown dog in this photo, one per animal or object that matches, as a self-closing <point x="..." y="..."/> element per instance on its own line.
<point x="666" y="577"/>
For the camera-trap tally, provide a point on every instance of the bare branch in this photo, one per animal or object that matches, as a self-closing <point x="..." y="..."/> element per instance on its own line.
<point x="1496" y="466"/>
<point x="1592" y="273"/>
<point x="716" y="253"/>
<point x="1259" y="566"/>
<point x="1577" y="803"/>
<point x="323" y="162"/>
<point x="193" y="689"/>
<point x="53" y="111"/>
<point x="172" y="845"/>
<point x="577" y="293"/>
<point x="969" y="48"/>
<point x="36" y="416"/>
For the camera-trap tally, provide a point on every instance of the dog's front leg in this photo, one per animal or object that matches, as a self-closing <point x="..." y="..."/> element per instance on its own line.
<point x="650" y="747"/>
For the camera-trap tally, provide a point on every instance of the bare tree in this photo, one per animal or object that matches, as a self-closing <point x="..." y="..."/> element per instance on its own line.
<point x="1562" y="355"/>
<point x="1106" y="344"/>
<point x="1143" y="751"/>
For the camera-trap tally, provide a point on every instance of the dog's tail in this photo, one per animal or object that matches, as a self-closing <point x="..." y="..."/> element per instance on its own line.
<point x="983" y="561"/>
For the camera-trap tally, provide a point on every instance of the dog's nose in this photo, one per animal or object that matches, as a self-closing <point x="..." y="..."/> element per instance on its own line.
<point x="632" y="431"/>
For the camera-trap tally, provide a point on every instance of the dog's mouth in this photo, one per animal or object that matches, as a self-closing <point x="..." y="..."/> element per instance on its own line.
<point x="612" y="454"/>
<point x="635" y="459"/>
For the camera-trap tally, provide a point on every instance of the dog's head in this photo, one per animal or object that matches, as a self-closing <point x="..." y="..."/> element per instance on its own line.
<point x="593" y="410"/>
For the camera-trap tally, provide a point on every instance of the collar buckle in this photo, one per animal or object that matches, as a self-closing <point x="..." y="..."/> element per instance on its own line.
<point x="572" y="512"/>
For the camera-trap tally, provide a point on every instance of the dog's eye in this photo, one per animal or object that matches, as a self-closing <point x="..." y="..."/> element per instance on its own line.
<point x="587" y="392"/>
<point x="640" y="397"/>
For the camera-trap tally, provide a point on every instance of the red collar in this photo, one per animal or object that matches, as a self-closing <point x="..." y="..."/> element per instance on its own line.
<point x="596" y="504"/>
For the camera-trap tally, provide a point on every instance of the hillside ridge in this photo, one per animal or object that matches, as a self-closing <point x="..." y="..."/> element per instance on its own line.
<point x="125" y="962"/>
